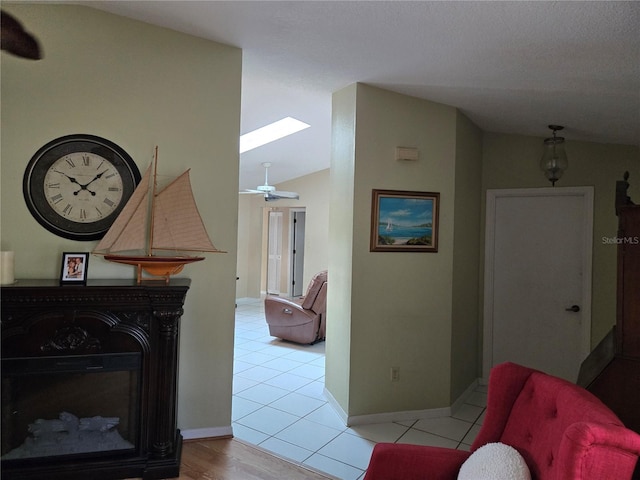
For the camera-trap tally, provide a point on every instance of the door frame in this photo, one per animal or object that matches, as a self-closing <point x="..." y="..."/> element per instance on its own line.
<point x="298" y="257"/>
<point x="587" y="193"/>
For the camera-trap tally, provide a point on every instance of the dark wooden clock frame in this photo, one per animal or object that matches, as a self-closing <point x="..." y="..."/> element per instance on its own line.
<point x="114" y="314"/>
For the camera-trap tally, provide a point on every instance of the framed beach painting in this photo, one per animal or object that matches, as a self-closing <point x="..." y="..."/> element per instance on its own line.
<point x="404" y="221"/>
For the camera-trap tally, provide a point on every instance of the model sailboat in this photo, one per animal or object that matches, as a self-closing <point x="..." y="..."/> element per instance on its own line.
<point x="155" y="228"/>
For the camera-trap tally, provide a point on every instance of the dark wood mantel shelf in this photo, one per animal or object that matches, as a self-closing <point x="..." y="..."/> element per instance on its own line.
<point x="42" y="320"/>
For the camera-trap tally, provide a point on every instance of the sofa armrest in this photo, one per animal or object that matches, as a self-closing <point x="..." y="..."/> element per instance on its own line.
<point x="395" y="461"/>
<point x="592" y="450"/>
<point x="286" y="312"/>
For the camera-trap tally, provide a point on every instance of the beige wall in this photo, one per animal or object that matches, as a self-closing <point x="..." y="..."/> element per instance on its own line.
<point x="341" y="232"/>
<point x="249" y="268"/>
<point x="139" y="86"/>
<point x="465" y="316"/>
<point x="252" y="239"/>
<point x="400" y="308"/>
<point x="512" y="161"/>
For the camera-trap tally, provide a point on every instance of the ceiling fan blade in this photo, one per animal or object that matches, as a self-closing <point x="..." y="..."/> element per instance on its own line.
<point x="251" y="191"/>
<point x="281" y="194"/>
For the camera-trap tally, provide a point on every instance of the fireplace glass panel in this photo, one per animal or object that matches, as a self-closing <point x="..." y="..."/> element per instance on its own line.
<point x="68" y="405"/>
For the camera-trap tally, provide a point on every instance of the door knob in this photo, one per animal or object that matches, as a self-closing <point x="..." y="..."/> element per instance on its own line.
<point x="573" y="308"/>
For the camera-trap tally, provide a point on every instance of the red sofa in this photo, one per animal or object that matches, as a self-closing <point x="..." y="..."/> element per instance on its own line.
<point x="562" y="431"/>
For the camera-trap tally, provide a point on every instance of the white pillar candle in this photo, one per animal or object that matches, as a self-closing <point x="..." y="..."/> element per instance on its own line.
<point x="6" y="268"/>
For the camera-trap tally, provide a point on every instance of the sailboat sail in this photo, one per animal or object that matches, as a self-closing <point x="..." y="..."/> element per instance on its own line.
<point x="129" y="231"/>
<point x="151" y="222"/>
<point x="177" y="225"/>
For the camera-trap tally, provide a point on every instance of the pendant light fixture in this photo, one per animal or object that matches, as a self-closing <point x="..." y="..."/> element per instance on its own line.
<point x="554" y="160"/>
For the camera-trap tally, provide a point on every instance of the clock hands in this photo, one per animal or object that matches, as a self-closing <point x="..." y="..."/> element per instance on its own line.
<point x="94" y="179"/>
<point x="73" y="180"/>
<point x="82" y="187"/>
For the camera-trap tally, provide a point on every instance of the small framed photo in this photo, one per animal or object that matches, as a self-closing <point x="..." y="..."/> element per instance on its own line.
<point x="74" y="268"/>
<point x="404" y="221"/>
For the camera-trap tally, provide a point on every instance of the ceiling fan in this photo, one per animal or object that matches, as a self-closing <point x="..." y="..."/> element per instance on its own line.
<point x="269" y="191"/>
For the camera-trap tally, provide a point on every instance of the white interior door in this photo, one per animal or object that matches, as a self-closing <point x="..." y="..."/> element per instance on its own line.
<point x="537" y="268"/>
<point x="274" y="263"/>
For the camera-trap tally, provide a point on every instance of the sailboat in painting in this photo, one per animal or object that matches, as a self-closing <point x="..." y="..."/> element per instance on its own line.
<point x="156" y="228"/>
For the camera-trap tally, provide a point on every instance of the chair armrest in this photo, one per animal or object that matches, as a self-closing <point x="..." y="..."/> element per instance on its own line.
<point x="284" y="311"/>
<point x="395" y="461"/>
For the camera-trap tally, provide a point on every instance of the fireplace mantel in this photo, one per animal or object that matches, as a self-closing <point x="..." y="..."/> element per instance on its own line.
<point x="46" y="323"/>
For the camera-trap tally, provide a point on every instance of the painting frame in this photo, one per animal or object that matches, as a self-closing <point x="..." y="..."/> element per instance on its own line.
<point x="75" y="274"/>
<point x="414" y="216"/>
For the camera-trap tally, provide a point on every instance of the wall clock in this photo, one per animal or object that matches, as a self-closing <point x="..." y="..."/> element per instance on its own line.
<point x="75" y="186"/>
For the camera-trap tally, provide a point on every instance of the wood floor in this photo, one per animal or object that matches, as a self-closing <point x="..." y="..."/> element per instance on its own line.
<point x="230" y="459"/>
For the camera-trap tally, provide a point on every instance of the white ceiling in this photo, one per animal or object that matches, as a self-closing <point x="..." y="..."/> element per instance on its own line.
<point x="510" y="66"/>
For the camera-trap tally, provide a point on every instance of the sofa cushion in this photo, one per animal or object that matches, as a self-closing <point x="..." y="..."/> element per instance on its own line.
<point x="495" y="461"/>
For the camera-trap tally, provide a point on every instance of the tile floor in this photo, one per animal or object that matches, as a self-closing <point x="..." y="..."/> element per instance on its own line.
<point x="279" y="404"/>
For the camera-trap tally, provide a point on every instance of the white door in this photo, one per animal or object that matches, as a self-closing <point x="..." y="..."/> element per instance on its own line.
<point x="538" y="278"/>
<point x="274" y="264"/>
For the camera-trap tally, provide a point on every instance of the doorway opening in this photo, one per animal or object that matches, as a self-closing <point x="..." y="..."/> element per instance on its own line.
<point x="278" y="385"/>
<point x="285" y="234"/>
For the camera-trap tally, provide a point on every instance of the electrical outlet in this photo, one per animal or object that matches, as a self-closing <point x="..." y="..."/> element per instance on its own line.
<point x="395" y="374"/>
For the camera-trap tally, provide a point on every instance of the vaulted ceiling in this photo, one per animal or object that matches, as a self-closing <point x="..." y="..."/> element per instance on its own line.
<point x="510" y="66"/>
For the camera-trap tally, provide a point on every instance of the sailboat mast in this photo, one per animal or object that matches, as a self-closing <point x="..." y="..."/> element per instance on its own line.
<point x="154" y="186"/>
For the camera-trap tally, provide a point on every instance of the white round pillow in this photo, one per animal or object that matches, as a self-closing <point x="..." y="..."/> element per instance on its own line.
<point x="495" y="461"/>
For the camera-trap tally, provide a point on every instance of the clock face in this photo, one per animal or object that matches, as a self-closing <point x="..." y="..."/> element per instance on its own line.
<point x="76" y="186"/>
<point x="83" y="187"/>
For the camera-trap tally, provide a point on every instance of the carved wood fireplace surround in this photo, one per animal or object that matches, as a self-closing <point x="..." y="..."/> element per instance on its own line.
<point x="82" y="365"/>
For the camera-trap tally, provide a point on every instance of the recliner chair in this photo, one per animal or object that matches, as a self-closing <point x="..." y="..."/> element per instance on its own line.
<point x="300" y="320"/>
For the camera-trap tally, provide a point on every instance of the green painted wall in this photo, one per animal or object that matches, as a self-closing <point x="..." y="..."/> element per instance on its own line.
<point x="139" y="86"/>
<point x="252" y="250"/>
<point x="395" y="309"/>
<point x="341" y="232"/>
<point x="466" y="307"/>
<point x="512" y="161"/>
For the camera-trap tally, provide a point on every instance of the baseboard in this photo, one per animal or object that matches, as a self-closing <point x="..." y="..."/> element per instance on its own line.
<point x="399" y="416"/>
<point x="211" y="432"/>
<point x="351" y="420"/>
<point x="336" y="406"/>
<point x="455" y="406"/>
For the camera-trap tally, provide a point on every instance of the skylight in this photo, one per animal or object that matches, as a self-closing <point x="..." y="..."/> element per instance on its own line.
<point x="270" y="133"/>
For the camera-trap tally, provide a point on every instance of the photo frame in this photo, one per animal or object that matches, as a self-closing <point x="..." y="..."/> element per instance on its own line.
<point x="74" y="268"/>
<point x="404" y="221"/>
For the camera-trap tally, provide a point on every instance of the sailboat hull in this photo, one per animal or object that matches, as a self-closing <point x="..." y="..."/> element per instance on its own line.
<point x="155" y="266"/>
